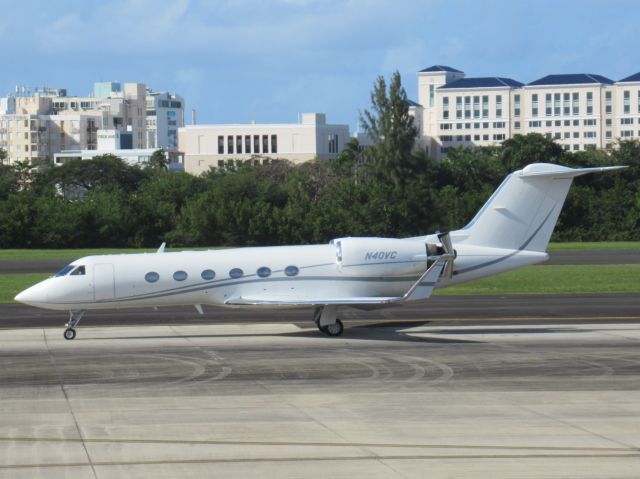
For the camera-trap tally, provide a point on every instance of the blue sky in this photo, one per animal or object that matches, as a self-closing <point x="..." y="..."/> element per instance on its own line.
<point x="242" y="60"/>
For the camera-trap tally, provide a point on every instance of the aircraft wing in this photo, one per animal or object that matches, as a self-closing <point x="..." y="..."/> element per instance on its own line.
<point x="421" y="289"/>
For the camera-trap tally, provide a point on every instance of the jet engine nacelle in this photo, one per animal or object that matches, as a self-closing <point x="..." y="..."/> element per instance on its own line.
<point x="380" y="256"/>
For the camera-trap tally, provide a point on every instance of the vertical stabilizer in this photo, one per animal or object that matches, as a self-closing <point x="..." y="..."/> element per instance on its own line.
<point x="522" y="213"/>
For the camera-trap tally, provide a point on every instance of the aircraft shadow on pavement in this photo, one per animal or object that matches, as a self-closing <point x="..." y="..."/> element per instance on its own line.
<point x="372" y="332"/>
<point x="508" y="331"/>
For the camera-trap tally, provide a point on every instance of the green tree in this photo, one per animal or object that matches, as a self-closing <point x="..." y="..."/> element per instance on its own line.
<point x="158" y="161"/>
<point x="521" y="150"/>
<point x="392" y="130"/>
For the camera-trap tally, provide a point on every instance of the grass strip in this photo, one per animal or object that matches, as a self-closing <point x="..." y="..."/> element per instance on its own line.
<point x="33" y="254"/>
<point x="560" y="279"/>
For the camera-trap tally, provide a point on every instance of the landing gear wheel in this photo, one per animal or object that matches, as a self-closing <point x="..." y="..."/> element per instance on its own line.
<point x="69" y="333"/>
<point x="334" y="329"/>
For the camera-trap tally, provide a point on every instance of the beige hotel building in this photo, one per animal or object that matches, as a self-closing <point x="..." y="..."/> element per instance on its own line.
<point x="578" y="111"/>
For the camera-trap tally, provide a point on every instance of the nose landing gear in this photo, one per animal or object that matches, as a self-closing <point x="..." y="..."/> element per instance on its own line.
<point x="74" y="319"/>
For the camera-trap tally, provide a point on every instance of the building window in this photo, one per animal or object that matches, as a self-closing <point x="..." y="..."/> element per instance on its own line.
<point x="274" y="143"/>
<point x="498" y="106"/>
<point x="516" y="105"/>
<point x="516" y="125"/>
<point x="556" y="104"/>
<point x="576" y="147"/>
<point x="208" y="274"/>
<point x="151" y="277"/>
<point x="265" y="144"/>
<point x="626" y="133"/>
<point x="576" y="134"/>
<point x="485" y="137"/>
<point x="498" y="137"/>
<point x="239" y="144"/>
<point x="626" y="105"/>
<point x="547" y="104"/>
<point x="607" y="102"/>
<point x="535" y="124"/>
<point x="638" y="101"/>
<point x="485" y="106"/>
<point x="567" y="134"/>
<point x="230" y="145"/>
<point x="607" y="134"/>
<point x="626" y="121"/>
<point x="575" y="103"/>
<point x="467" y="107"/>
<point x="589" y="103"/>
<point x="247" y="144"/>
<point x="534" y="104"/>
<point x="445" y="108"/>
<point x="458" y="107"/>
<point x="590" y="122"/>
<point x="180" y="275"/>
<point x="476" y="137"/>
<point x="432" y="94"/>
<point x="220" y="145"/>
<point x="566" y="105"/>
<point x="476" y="107"/>
<point x="256" y="143"/>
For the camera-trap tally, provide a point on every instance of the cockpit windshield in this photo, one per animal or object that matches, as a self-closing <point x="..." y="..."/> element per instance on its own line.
<point x="65" y="270"/>
<point x="79" y="271"/>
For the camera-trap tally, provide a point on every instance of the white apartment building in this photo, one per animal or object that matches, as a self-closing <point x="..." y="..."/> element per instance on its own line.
<point x="118" y="143"/>
<point x="36" y="125"/>
<point x="165" y="114"/>
<point x="207" y="146"/>
<point x="578" y="111"/>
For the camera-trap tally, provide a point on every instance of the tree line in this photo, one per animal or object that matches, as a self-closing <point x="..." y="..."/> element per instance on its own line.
<point x="389" y="189"/>
<point x="282" y="203"/>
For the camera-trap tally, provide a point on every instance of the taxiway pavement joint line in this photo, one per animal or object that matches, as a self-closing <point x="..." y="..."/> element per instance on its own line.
<point x="426" y="457"/>
<point x="53" y="362"/>
<point x="111" y="440"/>
<point x="579" y="428"/>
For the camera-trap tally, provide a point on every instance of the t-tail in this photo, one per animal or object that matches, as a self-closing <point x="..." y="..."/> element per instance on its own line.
<point x="522" y="213"/>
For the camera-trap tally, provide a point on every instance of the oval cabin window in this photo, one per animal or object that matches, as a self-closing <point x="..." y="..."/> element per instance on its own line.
<point x="179" y="275"/>
<point x="263" y="272"/>
<point x="208" y="274"/>
<point x="151" y="277"/>
<point x="291" y="270"/>
<point x="236" y="273"/>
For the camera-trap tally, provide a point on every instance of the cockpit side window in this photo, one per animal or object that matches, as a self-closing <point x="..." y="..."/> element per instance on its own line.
<point x="79" y="271"/>
<point x="65" y="270"/>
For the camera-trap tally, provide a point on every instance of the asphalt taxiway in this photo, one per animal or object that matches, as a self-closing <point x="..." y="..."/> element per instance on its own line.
<point x="388" y="400"/>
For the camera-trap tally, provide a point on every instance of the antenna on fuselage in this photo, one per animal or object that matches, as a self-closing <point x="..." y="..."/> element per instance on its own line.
<point x="161" y="249"/>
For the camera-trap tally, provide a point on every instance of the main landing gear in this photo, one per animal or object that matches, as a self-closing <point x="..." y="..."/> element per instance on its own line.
<point x="327" y="321"/>
<point x="74" y="319"/>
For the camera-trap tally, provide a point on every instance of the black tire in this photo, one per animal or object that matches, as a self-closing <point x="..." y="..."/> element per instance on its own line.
<point x="333" y="330"/>
<point x="69" y="333"/>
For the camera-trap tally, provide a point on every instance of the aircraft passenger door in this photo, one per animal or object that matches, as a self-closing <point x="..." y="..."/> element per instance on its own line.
<point x="103" y="282"/>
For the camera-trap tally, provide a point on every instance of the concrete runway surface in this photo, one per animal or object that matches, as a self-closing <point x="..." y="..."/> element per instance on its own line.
<point x="389" y="400"/>
<point x="631" y="256"/>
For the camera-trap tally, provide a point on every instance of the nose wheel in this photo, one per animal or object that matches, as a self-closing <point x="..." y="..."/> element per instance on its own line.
<point x="74" y="319"/>
<point x="69" y="333"/>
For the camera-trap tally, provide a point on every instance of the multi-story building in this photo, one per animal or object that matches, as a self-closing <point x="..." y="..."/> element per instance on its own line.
<point x="578" y="111"/>
<point x="44" y="122"/>
<point x="207" y="146"/>
<point x="165" y="115"/>
<point x="118" y="143"/>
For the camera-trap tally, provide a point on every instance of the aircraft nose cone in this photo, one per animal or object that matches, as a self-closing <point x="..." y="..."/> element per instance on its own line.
<point x="31" y="295"/>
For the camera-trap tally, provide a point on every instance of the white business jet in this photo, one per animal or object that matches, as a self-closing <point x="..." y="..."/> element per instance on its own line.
<point x="511" y="230"/>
